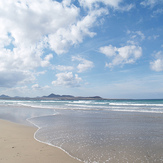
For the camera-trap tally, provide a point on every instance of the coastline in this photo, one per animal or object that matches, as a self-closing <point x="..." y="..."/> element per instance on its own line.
<point x="18" y="145"/>
<point x="97" y="131"/>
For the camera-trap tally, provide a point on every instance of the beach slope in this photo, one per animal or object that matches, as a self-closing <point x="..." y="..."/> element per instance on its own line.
<point x="17" y="145"/>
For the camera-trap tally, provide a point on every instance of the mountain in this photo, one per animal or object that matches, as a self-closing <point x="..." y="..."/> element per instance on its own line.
<point x="52" y="95"/>
<point x="96" y="97"/>
<point x="67" y="96"/>
<point x="4" y="96"/>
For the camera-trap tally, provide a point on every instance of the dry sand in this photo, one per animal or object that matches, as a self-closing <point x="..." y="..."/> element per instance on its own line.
<point x="17" y="145"/>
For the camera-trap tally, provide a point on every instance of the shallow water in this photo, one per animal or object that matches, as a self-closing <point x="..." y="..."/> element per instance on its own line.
<point x="100" y="137"/>
<point x="95" y="131"/>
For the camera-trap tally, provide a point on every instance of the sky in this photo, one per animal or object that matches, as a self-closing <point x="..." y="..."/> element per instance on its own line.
<point x="107" y="48"/>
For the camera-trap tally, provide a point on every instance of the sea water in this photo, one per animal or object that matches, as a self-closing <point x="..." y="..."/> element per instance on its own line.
<point x="94" y="130"/>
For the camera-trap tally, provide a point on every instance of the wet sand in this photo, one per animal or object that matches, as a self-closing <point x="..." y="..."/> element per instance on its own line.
<point x="17" y="145"/>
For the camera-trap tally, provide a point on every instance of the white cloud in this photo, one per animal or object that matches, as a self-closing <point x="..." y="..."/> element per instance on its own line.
<point x="151" y="3"/>
<point x="109" y="51"/>
<point x="126" y="8"/>
<point x="84" y="65"/>
<point x="38" y="87"/>
<point x="46" y="61"/>
<point x="20" y="63"/>
<point x="91" y="3"/>
<point x="67" y="79"/>
<point x="63" y="68"/>
<point x="157" y="64"/>
<point x="135" y="37"/>
<point x="157" y="12"/>
<point x="47" y="17"/>
<point x="139" y="33"/>
<point x="154" y="37"/>
<point x="29" y="27"/>
<point x="61" y="40"/>
<point x="115" y="4"/>
<point x="123" y="55"/>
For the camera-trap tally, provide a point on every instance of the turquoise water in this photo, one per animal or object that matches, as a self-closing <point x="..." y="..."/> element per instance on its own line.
<point x="95" y="131"/>
<point x="150" y="106"/>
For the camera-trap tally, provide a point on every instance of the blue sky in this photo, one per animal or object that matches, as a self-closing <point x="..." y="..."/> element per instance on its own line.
<point x="110" y="48"/>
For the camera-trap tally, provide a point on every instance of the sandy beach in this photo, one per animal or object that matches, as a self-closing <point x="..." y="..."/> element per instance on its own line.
<point x="17" y="145"/>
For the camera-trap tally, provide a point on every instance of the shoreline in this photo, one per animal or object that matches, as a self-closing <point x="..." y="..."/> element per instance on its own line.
<point x="18" y="145"/>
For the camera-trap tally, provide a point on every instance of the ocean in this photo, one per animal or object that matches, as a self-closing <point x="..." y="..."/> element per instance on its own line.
<point x="94" y="131"/>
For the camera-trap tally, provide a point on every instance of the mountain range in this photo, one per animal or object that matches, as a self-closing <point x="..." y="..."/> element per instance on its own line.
<point x="52" y="96"/>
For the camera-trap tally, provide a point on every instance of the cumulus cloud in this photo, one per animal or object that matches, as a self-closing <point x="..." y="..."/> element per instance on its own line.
<point x="67" y="79"/>
<point x="29" y="28"/>
<point x="29" y="22"/>
<point x="121" y="56"/>
<point x="47" y="16"/>
<point x="18" y="63"/>
<point x="84" y="65"/>
<point x="58" y="23"/>
<point x="109" y="51"/>
<point x="157" y="64"/>
<point x="61" y="40"/>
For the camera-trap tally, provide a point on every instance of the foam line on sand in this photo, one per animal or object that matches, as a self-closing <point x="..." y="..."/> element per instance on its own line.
<point x="17" y="145"/>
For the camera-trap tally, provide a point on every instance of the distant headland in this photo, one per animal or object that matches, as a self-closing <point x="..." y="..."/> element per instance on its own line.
<point x="53" y="96"/>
